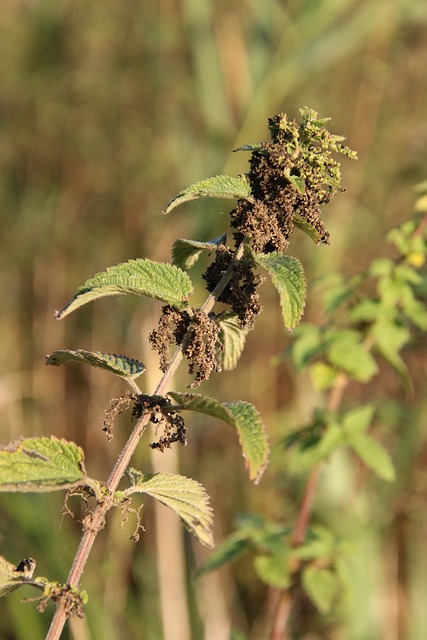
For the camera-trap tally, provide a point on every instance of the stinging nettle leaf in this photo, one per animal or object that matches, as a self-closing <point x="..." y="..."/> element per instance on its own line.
<point x="14" y="576"/>
<point x="229" y="551"/>
<point x="232" y="338"/>
<point x="215" y="187"/>
<point x="186" y="497"/>
<point x="321" y="586"/>
<point x="255" y="146"/>
<point x="118" y="364"/>
<point x="41" y="464"/>
<point x="243" y="417"/>
<point x="287" y="276"/>
<point x="143" y="277"/>
<point x="185" y="253"/>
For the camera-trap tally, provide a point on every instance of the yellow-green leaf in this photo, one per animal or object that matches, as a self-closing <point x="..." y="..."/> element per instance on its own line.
<point x="41" y="464"/>
<point x="186" y="497"/>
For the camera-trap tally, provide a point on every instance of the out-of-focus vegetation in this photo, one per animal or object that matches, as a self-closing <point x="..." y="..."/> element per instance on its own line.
<point x="108" y="110"/>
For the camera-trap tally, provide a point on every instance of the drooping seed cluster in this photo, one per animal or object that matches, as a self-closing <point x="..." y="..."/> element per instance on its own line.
<point x="196" y="333"/>
<point x="241" y="292"/>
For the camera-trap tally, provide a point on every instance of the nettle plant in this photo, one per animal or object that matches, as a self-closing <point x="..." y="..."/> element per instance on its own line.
<point x="290" y="178"/>
<point x="371" y="319"/>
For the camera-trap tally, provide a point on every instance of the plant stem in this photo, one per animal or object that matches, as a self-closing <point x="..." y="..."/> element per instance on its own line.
<point x="286" y="600"/>
<point x="98" y="517"/>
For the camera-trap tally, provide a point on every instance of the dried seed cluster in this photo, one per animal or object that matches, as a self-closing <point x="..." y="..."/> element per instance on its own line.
<point x="115" y="408"/>
<point x="241" y="292"/>
<point x="196" y="332"/>
<point x="290" y="177"/>
<point x="165" y="417"/>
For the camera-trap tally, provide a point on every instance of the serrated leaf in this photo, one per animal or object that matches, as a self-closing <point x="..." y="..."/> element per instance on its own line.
<point x="215" y="187"/>
<point x="321" y="586"/>
<point x="41" y="464"/>
<point x="14" y="576"/>
<point x="141" y="277"/>
<point x="118" y="364"/>
<point x="347" y="352"/>
<point x="186" y="497"/>
<point x="229" y="551"/>
<point x="255" y="146"/>
<point x="312" y="232"/>
<point x="273" y="570"/>
<point x="185" y="253"/>
<point x="232" y="338"/>
<point x="287" y="276"/>
<point x="374" y="456"/>
<point x="243" y="417"/>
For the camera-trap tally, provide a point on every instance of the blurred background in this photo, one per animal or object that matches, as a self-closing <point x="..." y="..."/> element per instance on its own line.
<point x="107" y="110"/>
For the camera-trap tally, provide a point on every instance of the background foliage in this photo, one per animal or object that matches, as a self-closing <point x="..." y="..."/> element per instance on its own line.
<point x="107" y="111"/>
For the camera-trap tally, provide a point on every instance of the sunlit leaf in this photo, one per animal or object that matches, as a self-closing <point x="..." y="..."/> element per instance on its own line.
<point x="240" y="415"/>
<point x="232" y="338"/>
<point x="287" y="275"/>
<point x="215" y="187"/>
<point x="186" y="497"/>
<point x="41" y="464"/>
<point x="185" y="253"/>
<point x="118" y="364"/>
<point x="143" y="277"/>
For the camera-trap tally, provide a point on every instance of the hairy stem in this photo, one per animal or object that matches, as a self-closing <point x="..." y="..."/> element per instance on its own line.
<point x="98" y="517"/>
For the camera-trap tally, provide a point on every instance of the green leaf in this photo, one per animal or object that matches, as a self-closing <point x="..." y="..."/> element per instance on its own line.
<point x="14" y="576"/>
<point x="273" y="570"/>
<point x="118" y="364"/>
<point x="287" y="276"/>
<point x="347" y="352"/>
<point x="308" y="343"/>
<point x="322" y="376"/>
<point x="186" y="497"/>
<point x="156" y="280"/>
<point x="240" y="415"/>
<point x="305" y="458"/>
<point x="374" y="456"/>
<point x="319" y="543"/>
<point x="255" y="146"/>
<point x="215" y="187"/>
<point x="337" y="290"/>
<point x="229" y="551"/>
<point x="185" y="253"/>
<point x="321" y="586"/>
<point x="232" y="338"/>
<point x="41" y="464"/>
<point x="358" y="420"/>
<point x="389" y="340"/>
<point x="311" y="231"/>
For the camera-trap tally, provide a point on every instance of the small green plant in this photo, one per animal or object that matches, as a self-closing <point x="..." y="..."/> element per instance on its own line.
<point x="370" y="320"/>
<point x="290" y="178"/>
